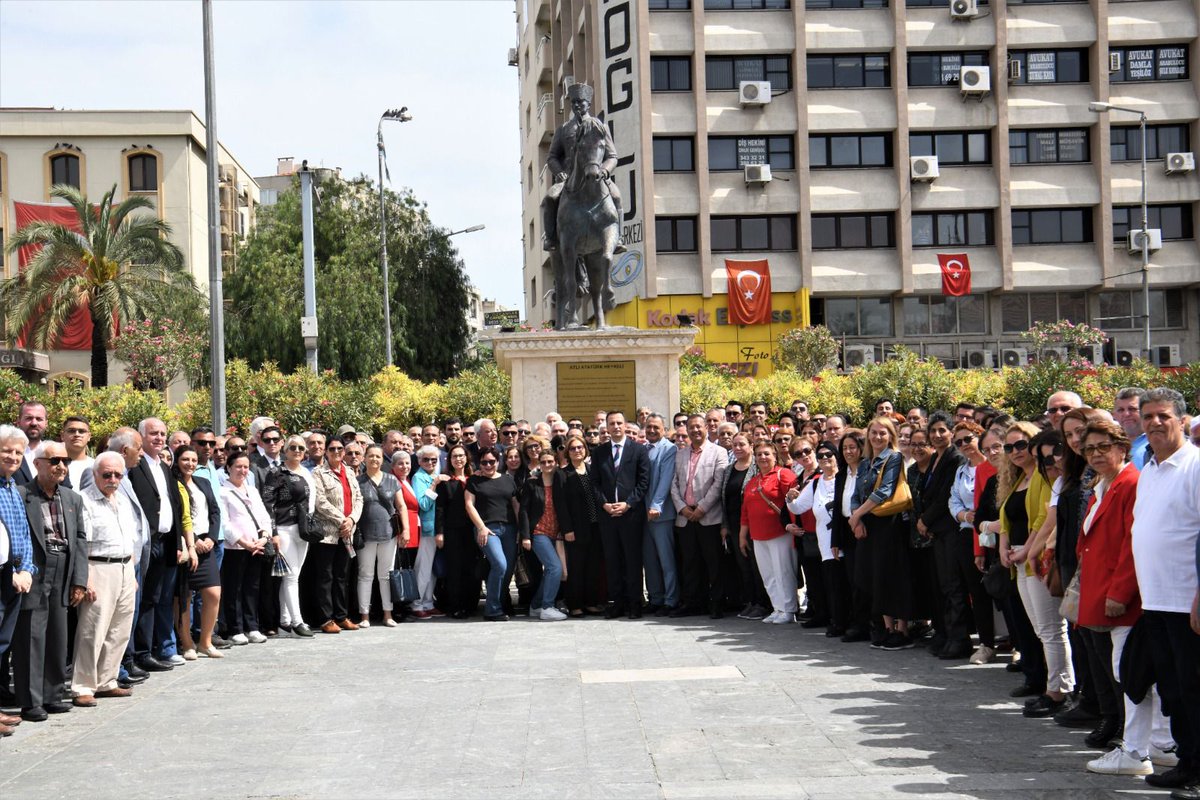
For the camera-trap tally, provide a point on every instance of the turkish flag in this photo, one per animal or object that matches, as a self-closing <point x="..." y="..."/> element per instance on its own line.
<point x="749" y="292"/>
<point x="77" y="335"/>
<point x="956" y="274"/>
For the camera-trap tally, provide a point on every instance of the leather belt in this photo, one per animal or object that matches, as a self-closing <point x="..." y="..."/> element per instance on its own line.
<point x="110" y="560"/>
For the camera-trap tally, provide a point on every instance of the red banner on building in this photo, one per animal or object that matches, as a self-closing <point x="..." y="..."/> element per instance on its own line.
<point x="956" y="274"/>
<point x="77" y="335"/>
<point x="749" y="292"/>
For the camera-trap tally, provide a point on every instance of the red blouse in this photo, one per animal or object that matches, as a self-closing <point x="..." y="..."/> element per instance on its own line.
<point x="414" y="519"/>
<point x="765" y="523"/>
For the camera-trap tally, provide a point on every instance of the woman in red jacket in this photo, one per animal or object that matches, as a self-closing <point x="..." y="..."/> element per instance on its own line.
<point x="763" y="523"/>
<point x="1108" y="590"/>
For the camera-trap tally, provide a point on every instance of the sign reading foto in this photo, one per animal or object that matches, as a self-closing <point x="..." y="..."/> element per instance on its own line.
<point x="584" y="388"/>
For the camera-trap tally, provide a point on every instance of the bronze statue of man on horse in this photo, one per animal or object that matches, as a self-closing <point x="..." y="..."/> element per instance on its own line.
<point x="581" y="213"/>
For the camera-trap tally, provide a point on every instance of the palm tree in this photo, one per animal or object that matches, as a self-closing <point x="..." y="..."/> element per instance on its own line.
<point x="110" y="267"/>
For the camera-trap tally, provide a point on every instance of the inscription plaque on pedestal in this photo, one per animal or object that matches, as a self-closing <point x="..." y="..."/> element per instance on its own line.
<point x="583" y="388"/>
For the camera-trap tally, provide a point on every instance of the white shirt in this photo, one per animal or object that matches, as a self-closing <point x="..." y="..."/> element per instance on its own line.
<point x="199" y="510"/>
<point x="109" y="523"/>
<point x="75" y="470"/>
<point x="165" y="517"/>
<point x="1166" y="522"/>
<point x="848" y="494"/>
<point x="818" y="498"/>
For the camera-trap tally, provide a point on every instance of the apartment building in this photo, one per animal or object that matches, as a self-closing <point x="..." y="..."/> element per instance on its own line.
<point x="849" y="143"/>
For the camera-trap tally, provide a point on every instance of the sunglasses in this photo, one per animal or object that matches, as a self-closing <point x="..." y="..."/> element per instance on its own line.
<point x="576" y="448"/>
<point x="509" y="433"/>
<point x="56" y="461"/>
<point x="1058" y="409"/>
<point x="272" y="439"/>
<point x="296" y="448"/>
<point x="235" y="448"/>
<point x="1103" y="448"/>
<point x="204" y="442"/>
<point x="429" y="460"/>
<point x="825" y="456"/>
<point x="112" y="475"/>
<point x="1020" y="446"/>
<point x="488" y="462"/>
<point x="963" y="440"/>
<point x="803" y="451"/>
<point x="334" y="449"/>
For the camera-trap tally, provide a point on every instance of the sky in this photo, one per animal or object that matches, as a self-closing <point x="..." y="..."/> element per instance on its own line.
<point x="309" y="79"/>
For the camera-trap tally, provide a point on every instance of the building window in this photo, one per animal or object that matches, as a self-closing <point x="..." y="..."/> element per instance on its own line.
<point x="953" y="147"/>
<point x="933" y="3"/>
<point x="1160" y="140"/>
<point x="849" y="71"/>
<point x="1125" y="309"/>
<point x="1051" y="66"/>
<point x="674" y="154"/>
<point x="670" y="5"/>
<point x="858" y="316"/>
<point x="670" y="74"/>
<point x="732" y="234"/>
<point x="726" y="153"/>
<point x="1166" y="63"/>
<point x="969" y="228"/>
<point x="727" y="72"/>
<point x="1051" y="226"/>
<point x="1175" y="221"/>
<point x="1018" y="312"/>
<point x="850" y="150"/>
<point x="143" y="173"/>
<point x="841" y="231"/>
<point x="941" y="69"/>
<point x="1048" y="147"/>
<point x="934" y="314"/>
<point x="675" y="234"/>
<point x="64" y="168"/>
<point x="845" y="4"/>
<point x="746" y="5"/>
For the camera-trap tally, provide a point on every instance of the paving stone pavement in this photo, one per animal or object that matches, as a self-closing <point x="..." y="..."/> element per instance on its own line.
<point x="532" y="710"/>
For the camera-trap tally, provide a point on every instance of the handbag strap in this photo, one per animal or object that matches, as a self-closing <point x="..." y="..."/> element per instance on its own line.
<point x="759" y="488"/>
<point x="246" y="503"/>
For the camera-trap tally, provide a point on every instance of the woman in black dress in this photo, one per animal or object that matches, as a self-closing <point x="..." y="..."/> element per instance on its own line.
<point x="457" y="534"/>
<point x="584" y="559"/>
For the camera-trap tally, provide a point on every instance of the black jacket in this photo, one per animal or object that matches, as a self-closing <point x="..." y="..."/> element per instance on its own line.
<point x="533" y="504"/>
<point x="841" y="536"/>
<point x="285" y="494"/>
<point x="77" y="548"/>
<point x="935" y="493"/>
<point x="146" y="489"/>
<point x="627" y="482"/>
<point x="579" y="500"/>
<point x="450" y="516"/>
<point x="214" y="510"/>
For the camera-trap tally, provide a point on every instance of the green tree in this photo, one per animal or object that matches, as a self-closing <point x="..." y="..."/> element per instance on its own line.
<point x="428" y="287"/>
<point x="112" y="268"/>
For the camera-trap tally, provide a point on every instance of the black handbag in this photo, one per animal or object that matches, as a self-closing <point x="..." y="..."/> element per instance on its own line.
<point x="403" y="580"/>
<point x="998" y="581"/>
<point x="310" y="528"/>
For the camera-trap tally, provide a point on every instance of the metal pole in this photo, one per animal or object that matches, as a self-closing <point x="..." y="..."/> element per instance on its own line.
<point x="310" y="279"/>
<point x="216" y="298"/>
<point x="1145" y="246"/>
<point x="387" y="300"/>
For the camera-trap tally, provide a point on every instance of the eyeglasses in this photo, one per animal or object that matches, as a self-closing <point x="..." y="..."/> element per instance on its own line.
<point x="272" y="439"/>
<point x="75" y="431"/>
<point x="487" y="462"/>
<point x="919" y="445"/>
<point x="1059" y="409"/>
<point x="296" y="448"/>
<point x="56" y="461"/>
<point x="964" y="440"/>
<point x="1103" y="448"/>
<point x="334" y="449"/>
<point x="353" y="453"/>
<point x="108" y="476"/>
<point x="992" y="449"/>
<point x="429" y="460"/>
<point x="1020" y="446"/>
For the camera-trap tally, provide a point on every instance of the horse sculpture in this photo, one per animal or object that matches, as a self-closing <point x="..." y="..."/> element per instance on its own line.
<point x="588" y="230"/>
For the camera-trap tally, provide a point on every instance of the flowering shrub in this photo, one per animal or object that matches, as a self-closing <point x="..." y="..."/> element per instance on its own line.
<point x="806" y="351"/>
<point x="158" y="351"/>
<point x="1064" y="332"/>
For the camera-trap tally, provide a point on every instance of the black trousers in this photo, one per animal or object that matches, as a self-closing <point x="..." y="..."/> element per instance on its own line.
<point x="621" y="538"/>
<point x="268" y="597"/>
<point x="961" y="585"/>
<point x="700" y="556"/>
<point x="1033" y="657"/>
<point x="331" y="564"/>
<point x="1175" y="649"/>
<point x="462" y="575"/>
<point x="753" y="590"/>
<point x="814" y="583"/>
<point x="1097" y="650"/>
<point x="838" y="597"/>
<point x="241" y="575"/>
<point x="858" y="572"/>
<point x="155" y="617"/>
<point x="1085" y="682"/>
<point x="39" y="650"/>
<point x="585" y="563"/>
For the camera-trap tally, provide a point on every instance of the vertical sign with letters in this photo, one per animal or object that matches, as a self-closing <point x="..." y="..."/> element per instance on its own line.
<point x="619" y="100"/>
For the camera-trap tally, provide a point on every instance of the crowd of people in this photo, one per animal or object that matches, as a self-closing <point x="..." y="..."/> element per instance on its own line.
<point x="1069" y="541"/>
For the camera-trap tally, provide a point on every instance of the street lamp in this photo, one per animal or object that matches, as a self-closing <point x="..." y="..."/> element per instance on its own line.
<point x="471" y="229"/>
<point x="395" y="115"/>
<point x="1103" y="108"/>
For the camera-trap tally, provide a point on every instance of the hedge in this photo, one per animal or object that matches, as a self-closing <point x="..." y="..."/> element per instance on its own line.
<point x="391" y="399"/>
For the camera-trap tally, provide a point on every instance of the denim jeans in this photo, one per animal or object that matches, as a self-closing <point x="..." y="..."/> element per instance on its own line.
<point x="501" y="553"/>
<point x="543" y="548"/>
<point x="658" y="556"/>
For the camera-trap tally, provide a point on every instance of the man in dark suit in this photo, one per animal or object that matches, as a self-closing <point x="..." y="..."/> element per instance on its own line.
<point x="621" y="469"/>
<point x="39" y="653"/>
<point x="154" y="635"/>
<point x="31" y="419"/>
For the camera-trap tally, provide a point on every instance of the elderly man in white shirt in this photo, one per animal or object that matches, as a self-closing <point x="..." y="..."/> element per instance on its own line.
<point x="1166" y="523"/>
<point x="106" y="613"/>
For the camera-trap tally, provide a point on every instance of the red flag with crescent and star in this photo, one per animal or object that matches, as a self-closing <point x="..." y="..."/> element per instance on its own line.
<point x="749" y="292"/>
<point x="956" y="274"/>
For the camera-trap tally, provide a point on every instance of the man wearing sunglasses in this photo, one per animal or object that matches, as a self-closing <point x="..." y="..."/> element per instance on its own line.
<point x="58" y="536"/>
<point x="268" y="455"/>
<point x="1059" y="404"/>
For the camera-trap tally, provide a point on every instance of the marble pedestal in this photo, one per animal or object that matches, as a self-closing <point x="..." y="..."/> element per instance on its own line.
<point x="598" y="369"/>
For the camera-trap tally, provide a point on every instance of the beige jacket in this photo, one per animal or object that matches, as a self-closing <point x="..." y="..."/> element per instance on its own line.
<point x="330" y="502"/>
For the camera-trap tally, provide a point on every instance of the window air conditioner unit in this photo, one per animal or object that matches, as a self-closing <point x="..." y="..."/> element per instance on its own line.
<point x="1125" y="358"/>
<point x="1180" y="162"/>
<point x="1014" y="357"/>
<point x="1014" y="71"/>
<point x="1135" y="240"/>
<point x="857" y="355"/>
<point x="923" y="168"/>
<point x="1053" y="354"/>
<point x="512" y="56"/>
<point x="1092" y="352"/>
<point x="758" y="173"/>
<point x="964" y="9"/>
<point x="975" y="81"/>
<point x="754" y="93"/>
<point x="1114" y="62"/>
<point x="980" y="359"/>
<point x="1167" y="355"/>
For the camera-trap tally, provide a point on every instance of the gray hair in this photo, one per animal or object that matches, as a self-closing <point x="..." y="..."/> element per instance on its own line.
<point x="428" y="451"/>
<point x="141" y="428"/>
<point x="40" y="450"/>
<point x="657" y="416"/>
<point x="1130" y="392"/>
<point x="1074" y="396"/>
<point x="258" y="424"/>
<point x="11" y="433"/>
<point x="402" y="455"/>
<point x="479" y="424"/>
<point x="1162" y="394"/>
<point x="106" y="457"/>
<point x="122" y="438"/>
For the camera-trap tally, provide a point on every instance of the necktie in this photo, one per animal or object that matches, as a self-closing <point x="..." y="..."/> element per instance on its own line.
<point x="616" y="455"/>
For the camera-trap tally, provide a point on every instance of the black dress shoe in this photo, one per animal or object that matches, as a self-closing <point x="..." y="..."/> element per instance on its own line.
<point x="814" y="622"/>
<point x="681" y="611"/>
<point x="303" y="631"/>
<point x="34" y="714"/>
<point x="635" y="614"/>
<point x="935" y="644"/>
<point x="496" y="617"/>
<point x="1178" y="777"/>
<point x="1044" y="706"/>
<point x="1105" y="732"/>
<point x="612" y="612"/>
<point x="152" y="664"/>
<point x="716" y="613"/>
<point x="57" y="708"/>
<point x="856" y="635"/>
<point x="652" y="608"/>
<point x="1012" y="666"/>
<point x="664" y="611"/>
<point x="1026" y="690"/>
<point x="136" y="673"/>
<point x="1077" y="717"/>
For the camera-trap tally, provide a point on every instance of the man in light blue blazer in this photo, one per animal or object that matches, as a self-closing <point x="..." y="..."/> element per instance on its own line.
<point x="658" y="547"/>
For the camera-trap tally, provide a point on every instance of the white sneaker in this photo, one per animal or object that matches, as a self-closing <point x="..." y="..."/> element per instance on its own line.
<point x="982" y="655"/>
<point x="239" y="638"/>
<point x="177" y="660"/>
<point x="785" y="617"/>
<point x="769" y="618"/>
<point x="552" y="614"/>
<point x="1164" y="758"/>
<point x="1120" y="761"/>
<point x="255" y="637"/>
